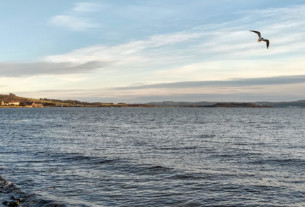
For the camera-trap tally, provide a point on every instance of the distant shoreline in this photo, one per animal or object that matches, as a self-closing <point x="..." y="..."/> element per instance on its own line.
<point x="141" y="106"/>
<point x="13" y="101"/>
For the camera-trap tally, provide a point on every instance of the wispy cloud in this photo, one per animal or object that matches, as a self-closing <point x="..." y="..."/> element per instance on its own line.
<point x="11" y="69"/>
<point x="78" y="18"/>
<point x="224" y="83"/>
<point x="224" y="41"/>
<point x="86" y="7"/>
<point x="203" y="52"/>
<point x="124" y="51"/>
<point x="73" y="22"/>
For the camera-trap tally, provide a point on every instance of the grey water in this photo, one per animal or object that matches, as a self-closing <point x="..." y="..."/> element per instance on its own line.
<point x="152" y="156"/>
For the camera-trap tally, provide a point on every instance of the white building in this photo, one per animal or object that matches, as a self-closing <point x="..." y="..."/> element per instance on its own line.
<point x="13" y="103"/>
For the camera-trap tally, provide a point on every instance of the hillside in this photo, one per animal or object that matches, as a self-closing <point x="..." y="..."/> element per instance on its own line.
<point x="27" y="102"/>
<point x="45" y="102"/>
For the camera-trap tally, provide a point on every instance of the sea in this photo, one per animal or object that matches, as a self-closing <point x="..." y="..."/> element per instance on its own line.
<point x="152" y="157"/>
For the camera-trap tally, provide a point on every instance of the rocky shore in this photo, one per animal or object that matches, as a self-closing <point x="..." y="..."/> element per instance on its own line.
<point x="12" y="196"/>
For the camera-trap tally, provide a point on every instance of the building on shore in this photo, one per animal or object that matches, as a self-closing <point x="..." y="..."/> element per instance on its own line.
<point x="37" y="105"/>
<point x="2" y="103"/>
<point x="13" y="103"/>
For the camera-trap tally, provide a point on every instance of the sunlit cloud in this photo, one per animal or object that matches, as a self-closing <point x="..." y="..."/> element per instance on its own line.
<point x="224" y="83"/>
<point x="277" y="90"/>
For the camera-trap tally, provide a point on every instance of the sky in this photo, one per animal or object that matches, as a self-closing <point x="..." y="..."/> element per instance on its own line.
<point x="139" y="51"/>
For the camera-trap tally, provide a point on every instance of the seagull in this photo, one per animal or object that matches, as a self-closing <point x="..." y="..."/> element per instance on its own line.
<point x="260" y="38"/>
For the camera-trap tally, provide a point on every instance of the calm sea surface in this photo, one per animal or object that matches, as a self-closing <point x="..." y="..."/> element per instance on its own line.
<point x="152" y="156"/>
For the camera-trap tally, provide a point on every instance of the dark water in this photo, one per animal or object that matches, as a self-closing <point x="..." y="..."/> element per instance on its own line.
<point x="152" y="157"/>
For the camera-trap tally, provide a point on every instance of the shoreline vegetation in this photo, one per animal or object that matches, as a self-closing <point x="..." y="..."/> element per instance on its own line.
<point x="13" y="101"/>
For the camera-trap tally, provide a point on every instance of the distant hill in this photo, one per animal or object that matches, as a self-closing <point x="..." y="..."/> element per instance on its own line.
<point x="239" y="105"/>
<point x="182" y="104"/>
<point x="298" y="104"/>
<point x="206" y="104"/>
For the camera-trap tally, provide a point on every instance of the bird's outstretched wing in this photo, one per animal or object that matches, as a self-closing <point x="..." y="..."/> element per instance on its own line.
<point x="267" y="42"/>
<point x="257" y="32"/>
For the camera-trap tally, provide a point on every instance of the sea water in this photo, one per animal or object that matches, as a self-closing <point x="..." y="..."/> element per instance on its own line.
<point x="152" y="156"/>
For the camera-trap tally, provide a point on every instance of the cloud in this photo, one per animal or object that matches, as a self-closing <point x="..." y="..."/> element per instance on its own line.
<point x="225" y="41"/>
<point x="130" y="50"/>
<point x="11" y="69"/>
<point x="72" y="22"/>
<point x="77" y="18"/>
<point x="224" y="93"/>
<point x="91" y="58"/>
<point x="86" y="7"/>
<point x="225" y="83"/>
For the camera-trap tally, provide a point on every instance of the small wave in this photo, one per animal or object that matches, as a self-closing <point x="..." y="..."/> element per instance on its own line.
<point x="143" y="169"/>
<point x="233" y="155"/>
<point x="177" y="148"/>
<point x="191" y="176"/>
<point x="159" y="169"/>
<point x="151" y="170"/>
<point x="77" y="158"/>
<point x="280" y="162"/>
<point x="203" y="136"/>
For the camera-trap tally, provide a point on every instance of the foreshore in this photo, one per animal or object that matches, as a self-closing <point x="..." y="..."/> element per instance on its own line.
<point x="16" y="107"/>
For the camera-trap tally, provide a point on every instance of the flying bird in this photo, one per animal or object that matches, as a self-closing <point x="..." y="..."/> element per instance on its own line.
<point x="260" y="38"/>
